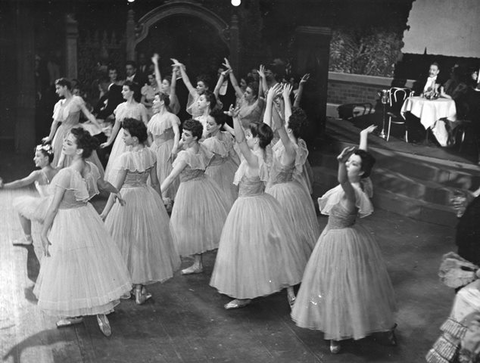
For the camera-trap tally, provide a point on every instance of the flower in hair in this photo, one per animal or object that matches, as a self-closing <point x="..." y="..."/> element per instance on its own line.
<point x="47" y="148"/>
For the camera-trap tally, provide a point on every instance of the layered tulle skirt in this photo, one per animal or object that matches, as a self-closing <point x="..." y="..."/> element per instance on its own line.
<point x="346" y="291"/>
<point x="142" y="232"/>
<point x="258" y="254"/>
<point x="163" y="152"/>
<point x="85" y="273"/>
<point x="33" y="208"/>
<point x="300" y="211"/>
<point x="223" y="174"/>
<point x="198" y="215"/>
<point x="113" y="167"/>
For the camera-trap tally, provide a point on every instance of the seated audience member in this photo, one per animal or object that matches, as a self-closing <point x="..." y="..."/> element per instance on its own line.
<point x="430" y="89"/>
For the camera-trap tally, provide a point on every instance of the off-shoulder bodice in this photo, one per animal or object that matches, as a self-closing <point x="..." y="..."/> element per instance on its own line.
<point x="78" y="190"/>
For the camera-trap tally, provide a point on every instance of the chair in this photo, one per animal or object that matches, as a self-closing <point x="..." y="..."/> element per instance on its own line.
<point x="396" y="98"/>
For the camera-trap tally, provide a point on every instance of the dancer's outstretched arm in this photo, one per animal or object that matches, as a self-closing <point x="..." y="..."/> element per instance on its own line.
<point x="364" y="137"/>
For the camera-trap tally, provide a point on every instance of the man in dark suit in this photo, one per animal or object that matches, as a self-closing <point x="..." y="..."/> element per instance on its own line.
<point x="133" y="75"/>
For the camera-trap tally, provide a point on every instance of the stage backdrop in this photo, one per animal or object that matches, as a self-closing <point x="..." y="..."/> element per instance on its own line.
<point x="444" y="27"/>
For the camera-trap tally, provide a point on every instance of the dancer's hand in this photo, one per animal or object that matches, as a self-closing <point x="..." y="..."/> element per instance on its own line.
<point x="104" y="145"/>
<point x="232" y="111"/>
<point x="345" y="154"/>
<point x="287" y="90"/>
<point x="369" y="129"/>
<point x="305" y="78"/>
<point x="46" y="140"/>
<point x="45" y="244"/>
<point x="155" y="58"/>
<point x="227" y="64"/>
<point x="176" y="63"/>
<point x="118" y="197"/>
<point x="261" y="71"/>
<point x="274" y="92"/>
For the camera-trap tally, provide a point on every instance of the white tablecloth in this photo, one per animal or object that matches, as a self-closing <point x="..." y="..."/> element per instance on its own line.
<point x="430" y="112"/>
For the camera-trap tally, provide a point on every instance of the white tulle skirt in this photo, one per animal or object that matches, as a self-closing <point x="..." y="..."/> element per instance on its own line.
<point x="142" y="232"/>
<point x="85" y="273"/>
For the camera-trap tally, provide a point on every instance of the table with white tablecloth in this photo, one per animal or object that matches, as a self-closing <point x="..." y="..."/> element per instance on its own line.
<point x="431" y="113"/>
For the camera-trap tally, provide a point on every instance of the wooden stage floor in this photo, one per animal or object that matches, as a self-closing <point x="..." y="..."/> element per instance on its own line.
<point x="185" y="320"/>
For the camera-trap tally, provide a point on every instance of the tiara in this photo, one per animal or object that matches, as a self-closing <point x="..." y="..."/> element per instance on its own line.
<point x="45" y="148"/>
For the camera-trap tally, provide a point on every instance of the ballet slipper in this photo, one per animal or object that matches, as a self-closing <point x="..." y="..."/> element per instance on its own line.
<point x="237" y="304"/>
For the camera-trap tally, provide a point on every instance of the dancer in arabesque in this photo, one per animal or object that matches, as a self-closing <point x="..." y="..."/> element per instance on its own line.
<point x="30" y="208"/>
<point x="346" y="291"/>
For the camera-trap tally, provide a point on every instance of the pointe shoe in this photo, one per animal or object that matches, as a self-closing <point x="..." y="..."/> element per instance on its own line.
<point x="335" y="347"/>
<point x="24" y="241"/>
<point x="69" y="321"/>
<point x="237" y="304"/>
<point x="141" y="295"/>
<point x="192" y="270"/>
<point x="104" y="325"/>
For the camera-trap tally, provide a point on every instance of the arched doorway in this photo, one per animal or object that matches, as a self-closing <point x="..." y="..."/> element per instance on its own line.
<point x="194" y="35"/>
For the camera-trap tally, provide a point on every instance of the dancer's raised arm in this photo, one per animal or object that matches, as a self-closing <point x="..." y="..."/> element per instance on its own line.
<point x="301" y="85"/>
<point x="364" y="137"/>
<point x="251" y="158"/>
<point x="185" y="78"/>
<point x="233" y="79"/>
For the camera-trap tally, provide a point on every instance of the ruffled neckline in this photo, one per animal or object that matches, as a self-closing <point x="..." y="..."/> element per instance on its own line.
<point x="158" y="124"/>
<point x="331" y="198"/>
<point x="242" y="170"/>
<point x="196" y="161"/>
<point x="138" y="160"/>
<point x="84" y="188"/>
<point x="219" y="147"/>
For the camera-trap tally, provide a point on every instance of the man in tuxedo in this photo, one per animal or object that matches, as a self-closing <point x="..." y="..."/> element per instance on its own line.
<point x="431" y="85"/>
<point x="132" y="74"/>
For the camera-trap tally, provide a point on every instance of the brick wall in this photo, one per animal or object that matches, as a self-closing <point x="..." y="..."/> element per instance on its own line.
<point x="354" y="88"/>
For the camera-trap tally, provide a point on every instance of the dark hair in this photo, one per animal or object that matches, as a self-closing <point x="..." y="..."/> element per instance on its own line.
<point x="63" y="82"/>
<point x="210" y="97"/>
<point x="136" y="129"/>
<point x="263" y="131"/>
<point x="254" y="87"/>
<point x="113" y="68"/>
<point x="46" y="150"/>
<point x="131" y="63"/>
<point x="85" y="141"/>
<point x="195" y="127"/>
<point x="133" y="86"/>
<point x="219" y="117"/>
<point x="435" y="64"/>
<point x="168" y="79"/>
<point x="367" y="162"/>
<point x="297" y="121"/>
<point x="205" y="79"/>
<point x="165" y="98"/>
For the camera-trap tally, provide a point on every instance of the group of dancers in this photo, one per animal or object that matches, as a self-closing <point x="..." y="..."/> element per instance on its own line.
<point x="243" y="190"/>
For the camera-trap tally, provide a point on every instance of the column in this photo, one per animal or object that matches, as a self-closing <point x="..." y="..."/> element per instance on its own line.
<point x="25" y="102"/>
<point x="312" y="51"/>
<point x="71" y="39"/>
<point x="130" y="31"/>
